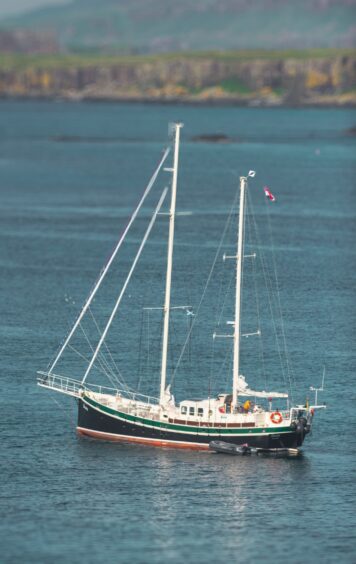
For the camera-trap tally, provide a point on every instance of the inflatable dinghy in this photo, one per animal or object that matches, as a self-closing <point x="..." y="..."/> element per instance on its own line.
<point x="229" y="448"/>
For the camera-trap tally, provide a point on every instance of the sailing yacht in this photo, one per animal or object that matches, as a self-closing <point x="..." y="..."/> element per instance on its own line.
<point x="239" y="416"/>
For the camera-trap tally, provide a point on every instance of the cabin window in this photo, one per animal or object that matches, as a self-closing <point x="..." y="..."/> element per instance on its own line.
<point x="183" y="410"/>
<point x="191" y="411"/>
<point x="200" y="411"/>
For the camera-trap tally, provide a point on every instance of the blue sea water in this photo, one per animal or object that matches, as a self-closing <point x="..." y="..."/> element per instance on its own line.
<point x="70" y="175"/>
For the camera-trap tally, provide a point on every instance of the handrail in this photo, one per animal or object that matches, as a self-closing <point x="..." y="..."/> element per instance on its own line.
<point x="73" y="387"/>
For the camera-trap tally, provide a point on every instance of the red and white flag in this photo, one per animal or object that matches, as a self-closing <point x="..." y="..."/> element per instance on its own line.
<point x="269" y="194"/>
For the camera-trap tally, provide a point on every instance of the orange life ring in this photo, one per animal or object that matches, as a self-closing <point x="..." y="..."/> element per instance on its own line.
<point x="276" y="417"/>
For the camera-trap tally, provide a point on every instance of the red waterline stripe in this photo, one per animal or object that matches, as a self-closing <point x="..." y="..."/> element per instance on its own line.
<point x="140" y="440"/>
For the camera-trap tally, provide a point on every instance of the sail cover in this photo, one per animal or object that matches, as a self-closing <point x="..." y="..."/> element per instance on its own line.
<point x="262" y="394"/>
<point x="244" y="390"/>
<point x="168" y="398"/>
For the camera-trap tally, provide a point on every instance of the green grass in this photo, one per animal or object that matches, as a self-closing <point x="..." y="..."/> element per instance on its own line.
<point x="253" y="54"/>
<point x="18" y="62"/>
<point x="279" y="91"/>
<point x="234" y="86"/>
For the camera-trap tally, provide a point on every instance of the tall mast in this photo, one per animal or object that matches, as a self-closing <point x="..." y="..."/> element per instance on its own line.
<point x="167" y="300"/>
<point x="239" y="261"/>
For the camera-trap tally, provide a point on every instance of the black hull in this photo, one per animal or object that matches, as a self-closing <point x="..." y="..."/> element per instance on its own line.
<point x="94" y="423"/>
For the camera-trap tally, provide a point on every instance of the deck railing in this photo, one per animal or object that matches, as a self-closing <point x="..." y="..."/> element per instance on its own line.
<point x="75" y="388"/>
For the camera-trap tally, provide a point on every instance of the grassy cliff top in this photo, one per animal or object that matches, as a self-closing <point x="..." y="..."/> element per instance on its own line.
<point x="20" y="61"/>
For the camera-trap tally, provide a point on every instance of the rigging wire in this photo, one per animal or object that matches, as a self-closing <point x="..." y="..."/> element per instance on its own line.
<point x="172" y="332"/>
<point x="102" y="361"/>
<point x="160" y="342"/>
<point x="290" y="370"/>
<point x="140" y="352"/>
<point x="148" y="343"/>
<point x="228" y="371"/>
<point x="221" y="306"/>
<point x="121" y="379"/>
<point x="189" y="324"/>
<point x="212" y="364"/>
<point x="109" y="262"/>
<point x="269" y="288"/>
<point x="123" y="289"/>
<point x="88" y="360"/>
<point x="154" y="347"/>
<point x="222" y="301"/>
<point x="227" y="292"/>
<point x="257" y="301"/>
<point x="101" y="368"/>
<point x="204" y="292"/>
<point x="147" y="292"/>
<point x="227" y="361"/>
<point x="61" y="406"/>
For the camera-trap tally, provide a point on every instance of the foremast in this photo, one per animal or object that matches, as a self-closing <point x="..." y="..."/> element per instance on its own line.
<point x="238" y="294"/>
<point x="167" y="300"/>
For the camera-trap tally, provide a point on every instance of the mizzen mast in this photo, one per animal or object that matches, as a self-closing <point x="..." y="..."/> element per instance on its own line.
<point x="167" y="300"/>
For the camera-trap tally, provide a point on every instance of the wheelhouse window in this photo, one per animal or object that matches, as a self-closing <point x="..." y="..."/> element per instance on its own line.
<point x="200" y="411"/>
<point x="183" y="410"/>
<point x="192" y="411"/>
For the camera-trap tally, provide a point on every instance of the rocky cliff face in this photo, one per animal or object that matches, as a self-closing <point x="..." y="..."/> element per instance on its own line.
<point x="233" y="79"/>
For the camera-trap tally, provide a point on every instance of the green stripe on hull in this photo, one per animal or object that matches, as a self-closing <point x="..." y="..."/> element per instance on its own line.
<point x="187" y="428"/>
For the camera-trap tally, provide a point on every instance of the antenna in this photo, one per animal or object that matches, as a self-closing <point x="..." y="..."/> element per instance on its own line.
<point x="172" y="127"/>
<point x="321" y="389"/>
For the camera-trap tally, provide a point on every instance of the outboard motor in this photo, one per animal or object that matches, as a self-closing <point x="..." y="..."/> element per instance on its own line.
<point x="309" y="420"/>
<point x="302" y="429"/>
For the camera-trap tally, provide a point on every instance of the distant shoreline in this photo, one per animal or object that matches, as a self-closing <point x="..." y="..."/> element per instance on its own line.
<point x="218" y="102"/>
<point x="280" y="79"/>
